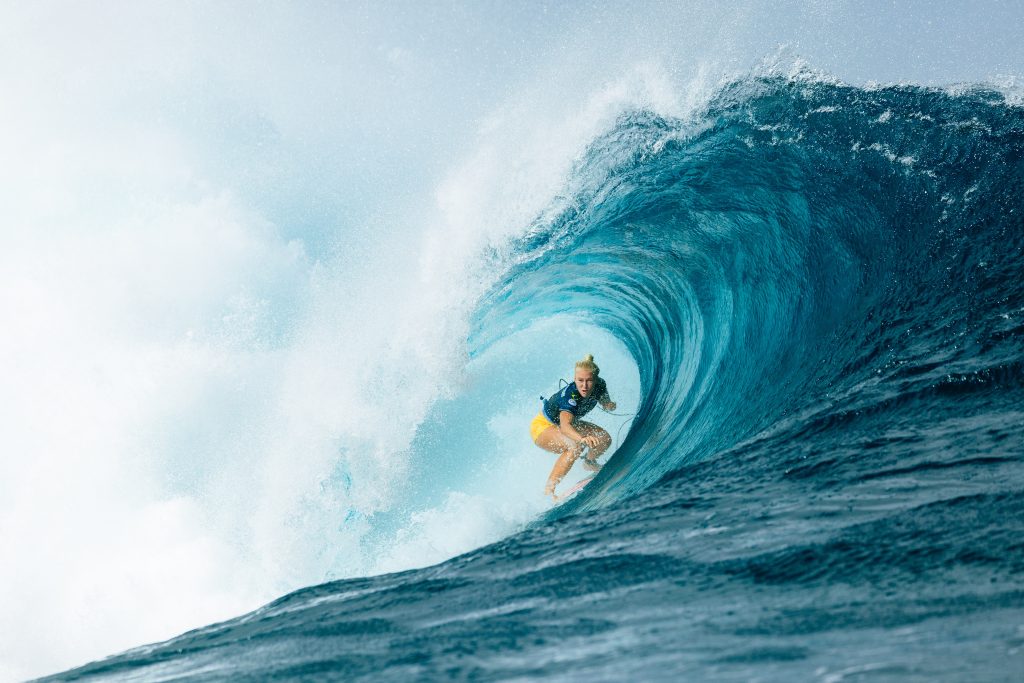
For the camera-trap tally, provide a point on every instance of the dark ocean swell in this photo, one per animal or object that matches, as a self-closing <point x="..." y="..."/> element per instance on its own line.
<point x="823" y="289"/>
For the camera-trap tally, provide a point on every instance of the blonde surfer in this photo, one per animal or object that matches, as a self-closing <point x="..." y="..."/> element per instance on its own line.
<point x="559" y="429"/>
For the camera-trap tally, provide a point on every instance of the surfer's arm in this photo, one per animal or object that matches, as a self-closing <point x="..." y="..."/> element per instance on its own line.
<point x="608" y="405"/>
<point x="565" y="419"/>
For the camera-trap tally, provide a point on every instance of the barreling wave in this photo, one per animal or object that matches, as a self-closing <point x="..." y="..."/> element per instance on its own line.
<point x="798" y="251"/>
<point x="823" y="289"/>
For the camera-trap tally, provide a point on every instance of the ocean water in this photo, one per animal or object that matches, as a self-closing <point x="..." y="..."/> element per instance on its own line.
<point x="810" y="299"/>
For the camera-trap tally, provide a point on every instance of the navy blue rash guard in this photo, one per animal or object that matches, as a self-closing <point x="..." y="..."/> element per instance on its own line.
<point x="569" y="399"/>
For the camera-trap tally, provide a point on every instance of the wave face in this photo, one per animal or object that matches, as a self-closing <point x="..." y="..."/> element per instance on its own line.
<point x="822" y="288"/>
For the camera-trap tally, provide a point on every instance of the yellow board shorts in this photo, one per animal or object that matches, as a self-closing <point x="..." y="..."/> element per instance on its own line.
<point x="539" y="424"/>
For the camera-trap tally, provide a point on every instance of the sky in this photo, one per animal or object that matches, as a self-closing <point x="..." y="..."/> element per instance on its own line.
<point x="219" y="222"/>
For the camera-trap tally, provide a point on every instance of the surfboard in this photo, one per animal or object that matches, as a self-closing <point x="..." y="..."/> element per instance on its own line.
<point x="576" y="488"/>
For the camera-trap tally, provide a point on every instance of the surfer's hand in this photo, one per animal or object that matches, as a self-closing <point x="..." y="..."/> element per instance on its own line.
<point x="610" y="406"/>
<point x="590" y="441"/>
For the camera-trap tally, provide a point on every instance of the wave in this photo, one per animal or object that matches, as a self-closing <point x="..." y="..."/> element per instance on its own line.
<point x="797" y="251"/>
<point x="821" y="288"/>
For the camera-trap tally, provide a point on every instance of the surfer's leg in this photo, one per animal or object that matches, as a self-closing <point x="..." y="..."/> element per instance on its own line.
<point x="554" y="441"/>
<point x="604" y="439"/>
<point x="561" y="468"/>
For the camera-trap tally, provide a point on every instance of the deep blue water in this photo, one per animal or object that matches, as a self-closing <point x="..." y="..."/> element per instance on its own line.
<point x="823" y="289"/>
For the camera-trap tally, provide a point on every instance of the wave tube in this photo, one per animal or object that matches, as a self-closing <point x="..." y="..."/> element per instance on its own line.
<point x="771" y="258"/>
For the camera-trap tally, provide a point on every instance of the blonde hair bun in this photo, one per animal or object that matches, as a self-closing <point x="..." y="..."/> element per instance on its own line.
<point x="587" y="363"/>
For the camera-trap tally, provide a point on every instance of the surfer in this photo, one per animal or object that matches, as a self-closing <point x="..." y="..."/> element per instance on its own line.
<point x="558" y="429"/>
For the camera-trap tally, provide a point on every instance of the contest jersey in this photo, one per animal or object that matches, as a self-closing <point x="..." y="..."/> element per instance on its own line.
<point x="569" y="399"/>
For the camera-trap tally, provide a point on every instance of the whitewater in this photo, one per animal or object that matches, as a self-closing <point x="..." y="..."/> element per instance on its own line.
<point x="295" y="406"/>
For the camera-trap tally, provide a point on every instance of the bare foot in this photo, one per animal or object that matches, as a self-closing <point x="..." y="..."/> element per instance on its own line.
<point x="592" y="465"/>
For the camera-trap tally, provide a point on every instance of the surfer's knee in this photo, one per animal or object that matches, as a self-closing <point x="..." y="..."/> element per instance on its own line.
<point x="604" y="440"/>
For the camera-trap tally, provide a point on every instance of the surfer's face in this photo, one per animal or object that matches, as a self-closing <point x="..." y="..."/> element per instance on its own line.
<point x="584" y="381"/>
